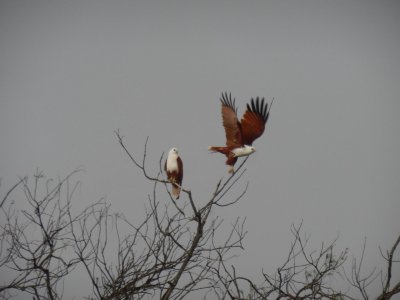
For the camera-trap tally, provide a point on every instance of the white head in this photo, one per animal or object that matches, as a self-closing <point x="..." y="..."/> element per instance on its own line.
<point x="249" y="149"/>
<point x="173" y="152"/>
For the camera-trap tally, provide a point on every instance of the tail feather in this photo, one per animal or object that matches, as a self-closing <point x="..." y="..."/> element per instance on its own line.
<point x="176" y="190"/>
<point x="223" y="150"/>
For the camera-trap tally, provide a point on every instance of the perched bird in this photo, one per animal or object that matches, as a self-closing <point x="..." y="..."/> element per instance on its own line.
<point x="241" y="135"/>
<point x="174" y="169"/>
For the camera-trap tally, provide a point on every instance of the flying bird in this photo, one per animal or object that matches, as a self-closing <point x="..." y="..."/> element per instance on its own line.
<point x="241" y="135"/>
<point x="174" y="169"/>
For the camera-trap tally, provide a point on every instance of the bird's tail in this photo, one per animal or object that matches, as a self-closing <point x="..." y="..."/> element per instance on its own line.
<point x="176" y="191"/>
<point x="223" y="150"/>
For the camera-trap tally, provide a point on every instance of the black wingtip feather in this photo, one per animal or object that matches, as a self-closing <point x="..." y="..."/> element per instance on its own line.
<point x="260" y="107"/>
<point x="257" y="105"/>
<point x="227" y="100"/>
<point x="266" y="112"/>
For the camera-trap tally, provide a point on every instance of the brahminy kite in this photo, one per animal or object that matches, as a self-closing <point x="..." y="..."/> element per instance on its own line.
<point x="241" y="135"/>
<point x="174" y="169"/>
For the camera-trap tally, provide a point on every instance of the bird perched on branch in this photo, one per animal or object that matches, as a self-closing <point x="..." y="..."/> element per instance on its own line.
<point x="174" y="168"/>
<point x="241" y="135"/>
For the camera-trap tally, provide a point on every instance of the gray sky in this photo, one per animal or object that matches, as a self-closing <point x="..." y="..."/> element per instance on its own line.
<point x="71" y="72"/>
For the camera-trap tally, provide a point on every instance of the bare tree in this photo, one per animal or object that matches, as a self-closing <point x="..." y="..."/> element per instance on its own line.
<point x="34" y="241"/>
<point x="169" y="255"/>
<point x="362" y="282"/>
<point x="310" y="274"/>
<point x="304" y="274"/>
<point x="177" y="251"/>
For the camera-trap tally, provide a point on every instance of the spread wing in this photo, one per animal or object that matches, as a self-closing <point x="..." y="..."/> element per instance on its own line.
<point x="230" y="121"/>
<point x="253" y="120"/>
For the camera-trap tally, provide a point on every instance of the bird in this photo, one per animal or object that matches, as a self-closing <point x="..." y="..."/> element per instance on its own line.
<point x="241" y="135"/>
<point x="174" y="168"/>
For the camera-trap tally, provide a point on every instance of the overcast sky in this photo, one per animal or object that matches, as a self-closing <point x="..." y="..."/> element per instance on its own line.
<point x="72" y="72"/>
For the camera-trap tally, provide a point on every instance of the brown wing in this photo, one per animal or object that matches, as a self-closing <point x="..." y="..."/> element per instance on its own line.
<point x="180" y="171"/>
<point x="253" y="120"/>
<point x="230" y="121"/>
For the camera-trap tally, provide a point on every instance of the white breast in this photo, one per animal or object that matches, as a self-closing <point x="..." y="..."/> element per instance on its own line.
<point x="242" y="151"/>
<point x="172" y="163"/>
